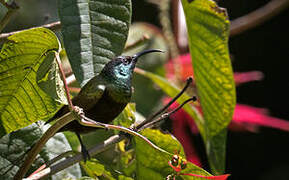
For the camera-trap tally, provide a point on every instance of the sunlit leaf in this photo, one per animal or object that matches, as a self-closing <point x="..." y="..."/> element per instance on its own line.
<point x="153" y="164"/>
<point x="22" y="102"/>
<point x="208" y="31"/>
<point x="126" y="117"/>
<point x="94" y="32"/>
<point x="49" y="80"/>
<point x="95" y="169"/>
<point x="195" y="176"/>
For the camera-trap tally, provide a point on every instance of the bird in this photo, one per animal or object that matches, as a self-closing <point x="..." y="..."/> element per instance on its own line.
<point x="104" y="96"/>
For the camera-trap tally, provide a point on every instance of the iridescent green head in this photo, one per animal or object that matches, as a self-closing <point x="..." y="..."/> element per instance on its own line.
<point x="122" y="66"/>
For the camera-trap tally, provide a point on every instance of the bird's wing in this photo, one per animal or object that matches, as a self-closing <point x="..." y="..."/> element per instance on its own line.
<point x="86" y="98"/>
<point x="90" y="94"/>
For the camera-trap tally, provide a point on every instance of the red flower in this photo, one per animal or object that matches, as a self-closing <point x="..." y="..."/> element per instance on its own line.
<point x="245" y="117"/>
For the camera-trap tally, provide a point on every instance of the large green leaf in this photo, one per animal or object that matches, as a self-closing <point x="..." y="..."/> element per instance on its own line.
<point x="95" y="169"/>
<point x="208" y="31"/>
<point x="22" y="102"/>
<point x="14" y="146"/>
<point x="94" y="31"/>
<point x="49" y="79"/>
<point x="153" y="164"/>
<point x="215" y="144"/>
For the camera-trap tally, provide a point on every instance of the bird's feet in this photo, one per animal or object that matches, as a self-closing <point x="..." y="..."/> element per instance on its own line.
<point x="85" y="153"/>
<point x="78" y="110"/>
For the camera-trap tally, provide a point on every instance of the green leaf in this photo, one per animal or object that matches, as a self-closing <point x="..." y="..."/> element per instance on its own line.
<point x="208" y="31"/>
<point x="95" y="169"/>
<point x="94" y="32"/>
<point x="122" y="177"/>
<point x="15" y="145"/>
<point x="126" y="117"/>
<point x="57" y="145"/>
<point x="49" y="80"/>
<point x="22" y="102"/>
<point x="153" y="164"/>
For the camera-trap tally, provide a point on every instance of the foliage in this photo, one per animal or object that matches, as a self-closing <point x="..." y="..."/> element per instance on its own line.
<point x="93" y="33"/>
<point x="213" y="74"/>
<point x="22" y="100"/>
<point x="15" y="145"/>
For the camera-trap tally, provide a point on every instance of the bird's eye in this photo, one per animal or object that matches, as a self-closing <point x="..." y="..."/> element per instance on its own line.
<point x="126" y="61"/>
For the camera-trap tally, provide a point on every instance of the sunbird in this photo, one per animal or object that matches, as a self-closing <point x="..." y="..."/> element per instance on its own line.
<point x="104" y="96"/>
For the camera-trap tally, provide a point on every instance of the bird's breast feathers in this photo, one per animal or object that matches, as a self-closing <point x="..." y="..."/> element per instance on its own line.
<point x="120" y="93"/>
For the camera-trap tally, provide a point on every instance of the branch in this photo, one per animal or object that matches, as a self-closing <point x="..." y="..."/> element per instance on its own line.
<point x="77" y="158"/>
<point x="144" y="39"/>
<point x="52" y="26"/>
<point x="11" y="10"/>
<point x="42" y="173"/>
<point x="166" y="115"/>
<point x="238" y="25"/>
<point x="101" y="147"/>
<point x="62" y="75"/>
<point x="41" y="142"/>
<point x="258" y="16"/>
<point x="189" y="81"/>
<point x="165" y="21"/>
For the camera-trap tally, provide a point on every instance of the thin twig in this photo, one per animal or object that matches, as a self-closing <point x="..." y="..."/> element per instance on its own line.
<point x="91" y="123"/>
<point x="137" y="43"/>
<point x="85" y="121"/>
<point x="52" y="26"/>
<point x="78" y="157"/>
<point x="62" y="75"/>
<point x="49" y="133"/>
<point x="165" y="21"/>
<point x="166" y="115"/>
<point x="74" y="89"/>
<point x="11" y="10"/>
<point x="238" y="25"/>
<point x="42" y="141"/>
<point x="106" y="144"/>
<point x="52" y="161"/>
<point x="189" y="81"/>
<point x="258" y="16"/>
<point x="61" y="156"/>
<point x="93" y="151"/>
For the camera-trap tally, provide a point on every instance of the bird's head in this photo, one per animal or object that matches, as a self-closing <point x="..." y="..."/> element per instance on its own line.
<point x="122" y="66"/>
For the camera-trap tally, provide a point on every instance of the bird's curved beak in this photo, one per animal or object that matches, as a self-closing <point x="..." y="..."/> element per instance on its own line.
<point x="136" y="56"/>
